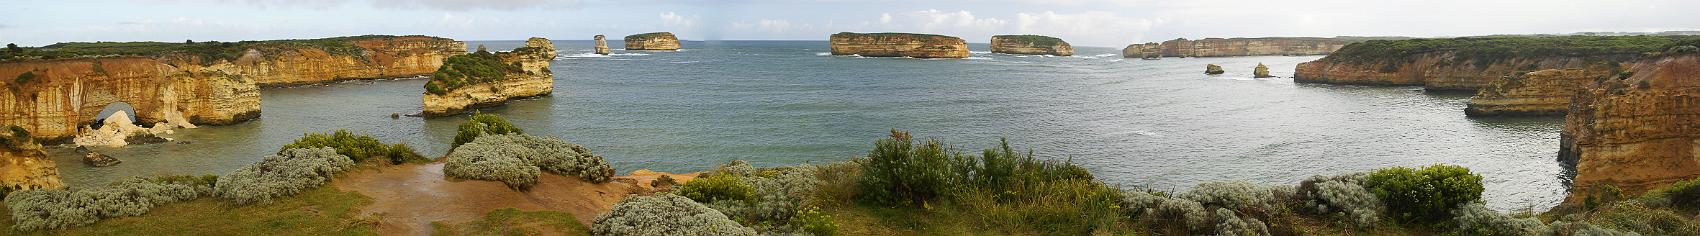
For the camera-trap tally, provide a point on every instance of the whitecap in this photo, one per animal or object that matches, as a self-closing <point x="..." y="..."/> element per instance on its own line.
<point x="978" y="58"/>
<point x="823" y="54"/>
<point x="581" y="55"/>
<point x="979" y="52"/>
<point x="1105" y="55"/>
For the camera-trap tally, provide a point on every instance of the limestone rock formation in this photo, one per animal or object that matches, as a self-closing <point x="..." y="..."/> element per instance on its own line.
<point x="520" y="73"/>
<point x="652" y="41"/>
<point x="601" y="45"/>
<point x="24" y="164"/>
<point x="364" y="57"/>
<point x="97" y="159"/>
<point x="1469" y="63"/>
<point x="1213" y="69"/>
<point x="1231" y="47"/>
<point x="1638" y="131"/>
<point x="898" y="45"/>
<point x="118" y="130"/>
<point x="64" y="94"/>
<point x="1539" y="93"/>
<point x="1031" y="45"/>
<point x="1441" y="71"/>
<point x="1261" y="71"/>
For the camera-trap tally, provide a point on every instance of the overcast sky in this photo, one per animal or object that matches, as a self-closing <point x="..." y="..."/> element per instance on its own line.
<point x="1081" y="22"/>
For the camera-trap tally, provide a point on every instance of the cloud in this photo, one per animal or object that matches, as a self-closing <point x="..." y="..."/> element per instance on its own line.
<point x="674" y="20"/>
<point x="933" y="19"/>
<point x="450" y="5"/>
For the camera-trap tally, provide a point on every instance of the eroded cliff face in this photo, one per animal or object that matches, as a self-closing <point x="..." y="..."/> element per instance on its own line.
<point x="652" y="41"/>
<point x="63" y="94"/>
<point x="1539" y="93"/>
<point x="1440" y="71"/>
<point x="29" y="168"/>
<point x="1233" y="47"/>
<point x="601" y="45"/>
<point x="898" y="45"/>
<point x="1636" y="133"/>
<point x="534" y="79"/>
<point x="386" y="57"/>
<point x="1031" y="45"/>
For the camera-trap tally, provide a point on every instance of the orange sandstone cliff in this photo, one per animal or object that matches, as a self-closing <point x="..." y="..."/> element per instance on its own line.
<point x="1031" y="45"/>
<point x="1538" y="93"/>
<point x="1220" y="47"/>
<point x="1636" y="132"/>
<point x="370" y="57"/>
<point x="898" y="45"/>
<point x="652" y="41"/>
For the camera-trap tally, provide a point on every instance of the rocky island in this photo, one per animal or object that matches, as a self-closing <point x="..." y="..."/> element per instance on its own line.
<point x="652" y="41"/>
<point x="601" y="45"/>
<point x="483" y="79"/>
<point x="1635" y="131"/>
<point x="1031" y="45"/>
<point x="1233" y="47"/>
<point x="898" y="45"/>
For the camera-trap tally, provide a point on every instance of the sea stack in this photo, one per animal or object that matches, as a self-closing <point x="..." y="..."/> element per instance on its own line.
<point x="1213" y="69"/>
<point x="1261" y="71"/>
<point x="601" y="45"/>
<point x="484" y="79"/>
<point x="664" y="41"/>
<point x="1637" y="131"/>
<point x="898" y="45"/>
<point x="1031" y="45"/>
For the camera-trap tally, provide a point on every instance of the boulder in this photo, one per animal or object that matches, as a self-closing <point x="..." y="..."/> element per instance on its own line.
<point x="97" y="159"/>
<point x="1261" y="71"/>
<point x="1213" y="69"/>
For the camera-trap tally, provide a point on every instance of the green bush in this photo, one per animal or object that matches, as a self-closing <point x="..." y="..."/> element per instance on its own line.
<point x="289" y="172"/>
<point x="1342" y="197"/>
<point x="517" y="159"/>
<point x="664" y="214"/>
<point x="816" y="222"/>
<point x="1684" y="195"/>
<point x="897" y="172"/>
<point x="467" y="69"/>
<point x="1425" y="195"/>
<point x="715" y="188"/>
<point x="24" y="78"/>
<point x="480" y="124"/>
<point x="357" y="147"/>
<point x="1475" y="219"/>
<point x="57" y="208"/>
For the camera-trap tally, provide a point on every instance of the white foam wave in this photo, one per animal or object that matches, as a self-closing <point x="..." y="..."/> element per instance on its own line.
<point x="978" y="58"/>
<point x="582" y="55"/>
<point x="823" y="54"/>
<point x="979" y="52"/>
<point x="1105" y="55"/>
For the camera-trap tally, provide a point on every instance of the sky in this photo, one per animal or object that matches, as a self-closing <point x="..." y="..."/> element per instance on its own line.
<point x="1107" y="23"/>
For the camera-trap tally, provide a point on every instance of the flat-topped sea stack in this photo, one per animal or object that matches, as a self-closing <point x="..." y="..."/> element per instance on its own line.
<point x="1637" y="131"/>
<point x="1234" y="47"/>
<point x="1466" y="64"/>
<point x="1539" y="93"/>
<point x="1031" y="45"/>
<point x="601" y="45"/>
<point x="485" y="79"/>
<point x="898" y="45"/>
<point x="653" y="41"/>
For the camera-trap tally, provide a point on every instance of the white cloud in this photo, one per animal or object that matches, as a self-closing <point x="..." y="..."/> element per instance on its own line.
<point x="674" y="20"/>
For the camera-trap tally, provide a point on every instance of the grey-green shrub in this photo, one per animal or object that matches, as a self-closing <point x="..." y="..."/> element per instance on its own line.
<point x="664" y="214"/>
<point x="517" y="159"/>
<point x="1234" y="225"/>
<point x="1476" y="219"/>
<point x="775" y="197"/>
<point x="1425" y="195"/>
<point x="57" y="208"/>
<point x="289" y="172"/>
<point x="1343" y="196"/>
<point x="1237" y="195"/>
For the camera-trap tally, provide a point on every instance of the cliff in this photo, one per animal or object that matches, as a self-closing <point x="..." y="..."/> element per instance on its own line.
<point x="276" y="64"/>
<point x="484" y="79"/>
<point x="898" y="45"/>
<point x="60" y="95"/>
<point x="1539" y="93"/>
<point x="1232" y="47"/>
<point x="601" y="45"/>
<point x="1636" y="131"/>
<point x="23" y="163"/>
<point x="1466" y="64"/>
<point x="1031" y="45"/>
<point x="652" y="41"/>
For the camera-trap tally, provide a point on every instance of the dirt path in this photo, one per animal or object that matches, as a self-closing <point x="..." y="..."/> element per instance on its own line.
<point x="407" y="198"/>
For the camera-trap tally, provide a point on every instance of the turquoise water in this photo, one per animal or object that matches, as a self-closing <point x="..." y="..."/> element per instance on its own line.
<point x="1161" y="123"/>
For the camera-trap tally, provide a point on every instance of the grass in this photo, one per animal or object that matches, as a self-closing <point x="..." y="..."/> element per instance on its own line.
<point x="1492" y="49"/>
<point x="1037" y="40"/>
<point x="644" y="36"/>
<point x="887" y="35"/>
<point x="509" y="221"/>
<point x="324" y="210"/>
<point x="206" y="52"/>
<point x="462" y="70"/>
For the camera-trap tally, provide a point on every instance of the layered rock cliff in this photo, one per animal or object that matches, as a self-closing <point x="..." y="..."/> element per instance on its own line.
<point x="652" y="41"/>
<point x="484" y="79"/>
<point x="1539" y="93"/>
<point x="1466" y="64"/>
<point x="1232" y="47"/>
<point x="63" y="94"/>
<point x="1438" y="71"/>
<point x="1031" y="45"/>
<point x="366" y="57"/>
<point x="1637" y="131"/>
<point x="23" y="163"/>
<point x="898" y="45"/>
<point x="601" y="45"/>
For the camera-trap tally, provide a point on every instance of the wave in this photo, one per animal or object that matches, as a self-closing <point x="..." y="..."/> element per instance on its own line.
<point x="823" y="54"/>
<point x="582" y="55"/>
<point x="979" y="52"/>
<point x="978" y="58"/>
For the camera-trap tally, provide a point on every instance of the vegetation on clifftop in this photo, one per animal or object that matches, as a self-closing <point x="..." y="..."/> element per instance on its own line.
<point x="207" y="52"/>
<point x="1491" y="49"/>
<point x="463" y="70"/>
<point x="650" y="35"/>
<point x="358" y="147"/>
<point x="1036" y="40"/>
<point x="888" y="35"/>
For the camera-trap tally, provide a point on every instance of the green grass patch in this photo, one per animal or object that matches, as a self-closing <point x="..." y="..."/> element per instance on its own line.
<point x="321" y="211"/>
<point x="1036" y="40"/>
<point x="509" y="221"/>
<point x="462" y="70"/>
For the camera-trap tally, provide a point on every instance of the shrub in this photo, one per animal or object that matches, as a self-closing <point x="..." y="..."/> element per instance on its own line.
<point x="357" y="147"/>
<point x="1427" y="195"/>
<point x="24" y="78"/>
<point x="285" y="174"/>
<point x="203" y="184"/>
<point x="1342" y="196"/>
<point x="898" y="172"/>
<point x="1684" y="195"/>
<point x="1237" y="195"/>
<point x="768" y="199"/>
<point x="56" y="209"/>
<point x="1475" y="219"/>
<point x="1234" y="225"/>
<point x="664" y="214"/>
<point x="517" y="159"/>
<point x="480" y="124"/>
<point x="478" y="67"/>
<point x="815" y="222"/>
<point x="718" y="187"/>
<point x="1635" y="216"/>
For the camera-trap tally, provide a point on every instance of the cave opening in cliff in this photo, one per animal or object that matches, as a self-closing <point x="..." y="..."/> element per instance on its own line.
<point x="109" y="109"/>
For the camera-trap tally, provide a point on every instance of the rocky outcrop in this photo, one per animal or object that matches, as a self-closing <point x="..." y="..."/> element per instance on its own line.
<point x="1636" y="132"/>
<point x="898" y="45"/>
<point x="97" y="159"/>
<point x="1469" y="63"/>
<point x="1031" y="45"/>
<point x="1261" y="71"/>
<point x="64" y="94"/>
<point x="118" y="130"/>
<point x="601" y="45"/>
<point x="652" y="41"/>
<point x="521" y="73"/>
<point x="1213" y="69"/>
<point x="277" y="63"/>
<point x="24" y="164"/>
<point x="1539" y="93"/>
<point x="1233" y="47"/>
<point x="1439" y="71"/>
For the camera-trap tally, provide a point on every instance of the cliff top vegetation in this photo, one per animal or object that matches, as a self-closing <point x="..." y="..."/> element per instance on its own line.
<point x="1490" y="49"/>
<point x="462" y="70"/>
<point x="1036" y="40"/>
<point x="209" y="51"/>
<point x="649" y="35"/>
<point x="887" y="35"/>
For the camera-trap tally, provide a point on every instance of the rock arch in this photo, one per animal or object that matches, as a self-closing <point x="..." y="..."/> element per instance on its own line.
<point x="61" y="95"/>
